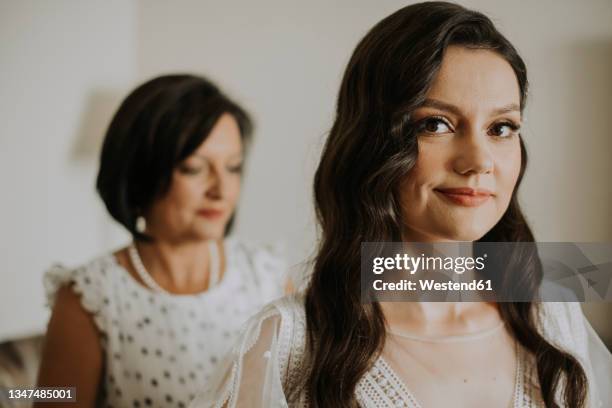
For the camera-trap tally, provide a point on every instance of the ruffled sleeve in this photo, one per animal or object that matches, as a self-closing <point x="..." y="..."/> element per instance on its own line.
<point x="89" y="282"/>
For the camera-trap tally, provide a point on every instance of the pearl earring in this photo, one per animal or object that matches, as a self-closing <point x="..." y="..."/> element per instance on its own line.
<point x="141" y="224"/>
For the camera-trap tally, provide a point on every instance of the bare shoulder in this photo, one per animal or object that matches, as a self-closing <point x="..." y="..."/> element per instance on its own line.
<point x="71" y="325"/>
<point x="68" y="309"/>
<point x="72" y="351"/>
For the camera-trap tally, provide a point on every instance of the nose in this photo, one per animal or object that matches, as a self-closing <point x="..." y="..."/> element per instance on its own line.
<point x="214" y="186"/>
<point x="473" y="155"/>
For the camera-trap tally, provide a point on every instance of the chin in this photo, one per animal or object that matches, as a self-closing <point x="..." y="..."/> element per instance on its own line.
<point x="205" y="234"/>
<point x="466" y="236"/>
<point x="464" y="229"/>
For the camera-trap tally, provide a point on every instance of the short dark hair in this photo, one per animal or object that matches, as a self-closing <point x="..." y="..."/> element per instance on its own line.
<point x="157" y="126"/>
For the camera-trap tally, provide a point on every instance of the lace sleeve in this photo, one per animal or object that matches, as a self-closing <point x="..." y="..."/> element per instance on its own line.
<point x="250" y="375"/>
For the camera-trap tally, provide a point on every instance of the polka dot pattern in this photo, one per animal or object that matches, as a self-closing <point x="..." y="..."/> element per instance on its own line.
<point x="160" y="349"/>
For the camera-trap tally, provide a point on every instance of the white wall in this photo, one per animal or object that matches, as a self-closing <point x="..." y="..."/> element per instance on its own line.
<point x="283" y="60"/>
<point x="62" y="65"/>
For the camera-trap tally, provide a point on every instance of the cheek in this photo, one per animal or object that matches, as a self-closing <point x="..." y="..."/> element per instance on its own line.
<point x="185" y="192"/>
<point x="430" y="166"/>
<point x="426" y="173"/>
<point x="232" y="189"/>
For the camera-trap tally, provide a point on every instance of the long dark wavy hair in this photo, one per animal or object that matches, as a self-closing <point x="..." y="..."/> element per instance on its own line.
<point x="371" y="148"/>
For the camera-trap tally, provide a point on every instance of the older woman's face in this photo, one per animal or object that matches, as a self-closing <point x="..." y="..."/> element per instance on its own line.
<point x="205" y="188"/>
<point x="468" y="149"/>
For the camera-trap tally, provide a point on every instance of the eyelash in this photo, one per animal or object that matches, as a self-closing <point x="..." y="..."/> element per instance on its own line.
<point x="420" y="125"/>
<point x="236" y="169"/>
<point x="189" y="170"/>
<point x="194" y="171"/>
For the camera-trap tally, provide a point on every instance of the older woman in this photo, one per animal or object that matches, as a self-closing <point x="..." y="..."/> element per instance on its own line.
<point x="145" y="325"/>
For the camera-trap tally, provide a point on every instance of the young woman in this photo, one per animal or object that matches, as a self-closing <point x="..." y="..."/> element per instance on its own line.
<point x="428" y="115"/>
<point x="145" y="326"/>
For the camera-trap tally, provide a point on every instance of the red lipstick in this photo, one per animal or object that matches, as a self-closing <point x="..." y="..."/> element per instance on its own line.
<point x="465" y="196"/>
<point x="210" y="213"/>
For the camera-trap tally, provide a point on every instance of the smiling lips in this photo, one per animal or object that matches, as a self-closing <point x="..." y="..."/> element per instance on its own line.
<point x="465" y="196"/>
<point x="210" y="213"/>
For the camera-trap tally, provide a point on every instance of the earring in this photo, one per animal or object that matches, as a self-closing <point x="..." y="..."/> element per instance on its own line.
<point x="141" y="224"/>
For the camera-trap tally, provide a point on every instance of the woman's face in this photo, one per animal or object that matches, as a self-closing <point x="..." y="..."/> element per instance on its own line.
<point x="204" y="190"/>
<point x="469" y="155"/>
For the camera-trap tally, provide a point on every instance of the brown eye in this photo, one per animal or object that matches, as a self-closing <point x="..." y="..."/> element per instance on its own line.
<point x="434" y="125"/>
<point x="503" y="129"/>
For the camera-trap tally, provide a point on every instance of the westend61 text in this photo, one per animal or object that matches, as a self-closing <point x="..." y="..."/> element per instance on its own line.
<point x="429" y="285"/>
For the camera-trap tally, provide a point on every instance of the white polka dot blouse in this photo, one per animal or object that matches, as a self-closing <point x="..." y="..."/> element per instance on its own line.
<point x="161" y="349"/>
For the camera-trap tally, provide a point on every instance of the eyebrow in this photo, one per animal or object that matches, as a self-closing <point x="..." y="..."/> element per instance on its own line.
<point x="232" y="157"/>
<point x="437" y="104"/>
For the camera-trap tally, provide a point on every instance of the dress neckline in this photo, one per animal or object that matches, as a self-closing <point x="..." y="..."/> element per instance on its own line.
<point x="384" y="369"/>
<point x="449" y="339"/>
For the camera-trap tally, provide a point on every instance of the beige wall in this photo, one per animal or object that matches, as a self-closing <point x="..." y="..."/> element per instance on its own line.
<point x="67" y="63"/>
<point x="61" y="63"/>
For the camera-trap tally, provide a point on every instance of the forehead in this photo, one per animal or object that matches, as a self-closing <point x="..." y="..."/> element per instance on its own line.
<point x="223" y="139"/>
<point x="475" y="79"/>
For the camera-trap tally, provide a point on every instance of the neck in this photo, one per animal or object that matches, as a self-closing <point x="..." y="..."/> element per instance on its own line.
<point x="441" y="318"/>
<point x="178" y="267"/>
